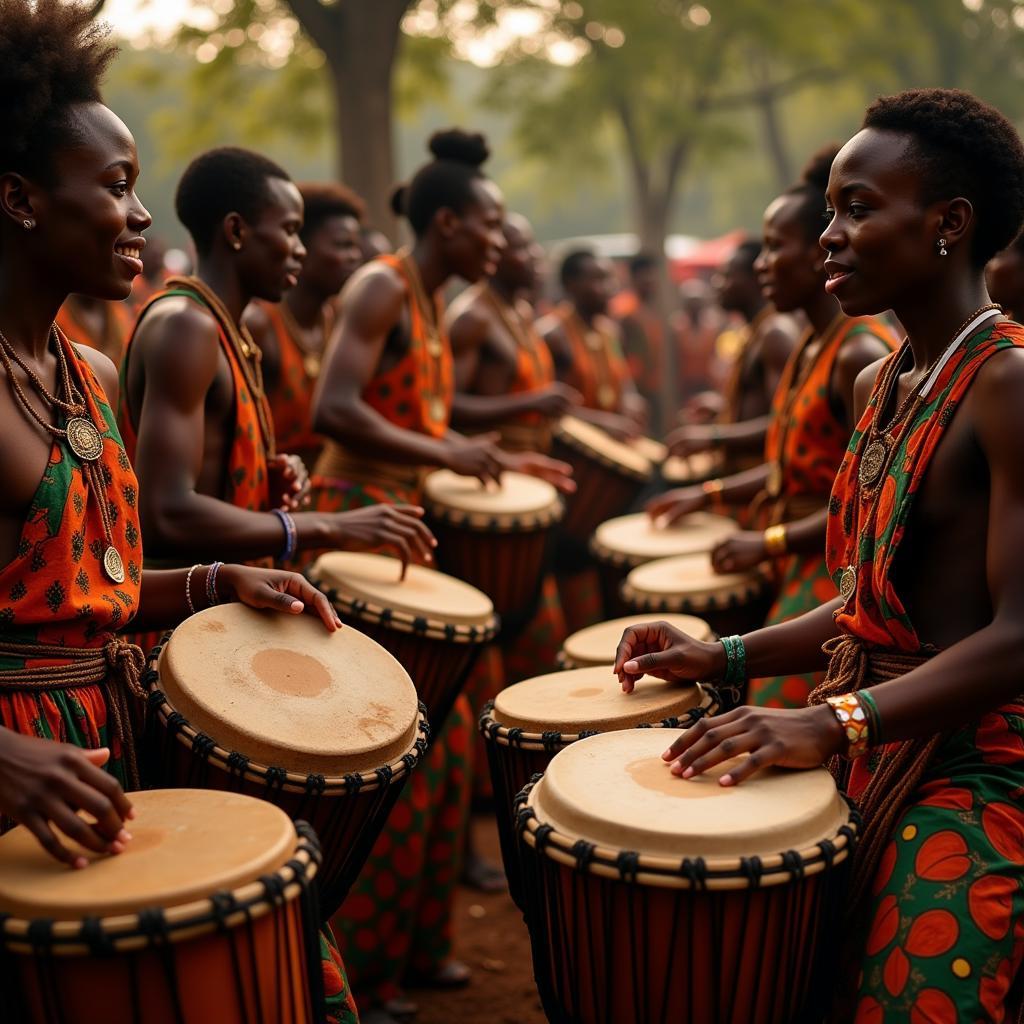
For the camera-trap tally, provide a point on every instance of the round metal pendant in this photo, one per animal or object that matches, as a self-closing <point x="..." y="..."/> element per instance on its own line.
<point x="775" y="480"/>
<point x="311" y="364"/>
<point x="606" y="396"/>
<point x="848" y="582"/>
<point x="84" y="439"/>
<point x="113" y="566"/>
<point x="434" y="347"/>
<point x="872" y="463"/>
<point x="438" y="412"/>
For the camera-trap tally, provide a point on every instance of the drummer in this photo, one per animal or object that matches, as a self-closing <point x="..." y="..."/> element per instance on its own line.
<point x="384" y="402"/>
<point x="740" y="414"/>
<point x="72" y="222"/>
<point x="925" y="543"/>
<point x="813" y="415"/>
<point x="505" y="380"/>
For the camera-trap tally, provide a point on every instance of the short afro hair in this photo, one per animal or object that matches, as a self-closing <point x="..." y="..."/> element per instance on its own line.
<point x="219" y="182"/>
<point x="446" y="182"/>
<point x="962" y="148"/>
<point x="52" y="56"/>
<point x="811" y="191"/>
<point x="746" y="254"/>
<point x="642" y="261"/>
<point x="573" y="265"/>
<point x="324" y="200"/>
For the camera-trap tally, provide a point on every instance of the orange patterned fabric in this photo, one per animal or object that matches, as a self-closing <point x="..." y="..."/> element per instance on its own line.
<point x="245" y="482"/>
<point x="601" y="374"/>
<point x="646" y="360"/>
<point x="291" y="398"/>
<point x="535" y="369"/>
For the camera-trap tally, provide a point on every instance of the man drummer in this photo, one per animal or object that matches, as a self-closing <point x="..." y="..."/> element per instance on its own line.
<point x="925" y="643"/>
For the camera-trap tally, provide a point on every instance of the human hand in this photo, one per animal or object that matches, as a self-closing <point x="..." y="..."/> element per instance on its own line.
<point x="475" y="456"/>
<point x="276" y="590"/>
<point x="557" y="473"/>
<point x="742" y="551"/>
<point x="555" y="400"/>
<point x="689" y="440"/>
<point x="660" y="650"/>
<point x="44" y="783"/>
<point x="288" y="482"/>
<point x="703" y="408"/>
<point x="670" y="507"/>
<point x="398" y="527"/>
<point x="634" y="408"/>
<point x="790" y="738"/>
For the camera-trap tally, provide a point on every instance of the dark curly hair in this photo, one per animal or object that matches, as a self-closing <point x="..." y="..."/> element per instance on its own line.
<point x="219" y="182"/>
<point x="445" y="182"/>
<point x="961" y="147"/>
<point x="574" y="265"/>
<point x="52" y="56"/>
<point x="811" y="190"/>
<point x="323" y="200"/>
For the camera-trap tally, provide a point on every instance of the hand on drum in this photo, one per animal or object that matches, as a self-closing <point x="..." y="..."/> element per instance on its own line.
<point x="705" y="407"/>
<point x="742" y="551"/>
<point x="690" y="440"/>
<point x="289" y="482"/>
<point x="671" y="506"/>
<point x="800" y="738"/>
<point x="556" y="400"/>
<point x="276" y="590"/>
<point x="398" y="527"/>
<point x="475" y="456"/>
<point x="660" y="650"/>
<point x="558" y="474"/>
<point x="43" y="784"/>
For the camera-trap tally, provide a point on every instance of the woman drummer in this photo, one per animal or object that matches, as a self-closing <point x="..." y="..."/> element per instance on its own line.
<point x="924" y="646"/>
<point x="69" y="535"/>
<point x="812" y="416"/>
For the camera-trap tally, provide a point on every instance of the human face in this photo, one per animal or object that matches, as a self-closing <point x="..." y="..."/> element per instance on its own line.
<point x="516" y="267"/>
<point x="789" y="267"/>
<point x="476" y="236"/>
<point x="591" y="289"/>
<point x="645" y="283"/>
<point x="333" y="254"/>
<point x="1004" y="276"/>
<point x="734" y="281"/>
<point x="89" y="222"/>
<point x="271" y="257"/>
<point x="881" y="239"/>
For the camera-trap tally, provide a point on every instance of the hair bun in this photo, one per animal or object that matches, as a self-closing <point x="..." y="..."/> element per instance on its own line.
<point x="819" y="166"/>
<point x="460" y="147"/>
<point x="398" y="200"/>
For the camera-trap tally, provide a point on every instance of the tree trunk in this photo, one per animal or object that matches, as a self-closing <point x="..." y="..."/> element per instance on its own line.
<point x="768" y="108"/>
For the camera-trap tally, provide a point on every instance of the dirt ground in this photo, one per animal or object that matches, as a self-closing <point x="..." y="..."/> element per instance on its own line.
<point x="491" y="938"/>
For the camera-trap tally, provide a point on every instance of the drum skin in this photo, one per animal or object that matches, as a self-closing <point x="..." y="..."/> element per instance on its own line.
<point x="188" y="963"/>
<point x="619" y="934"/>
<point x="596" y="645"/>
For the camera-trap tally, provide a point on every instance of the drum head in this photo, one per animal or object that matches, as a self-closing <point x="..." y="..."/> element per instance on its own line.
<point x="520" y="500"/>
<point x="692" y="468"/>
<point x="604" y="447"/>
<point x="616" y="791"/>
<point x="635" y="539"/>
<point x="596" y="644"/>
<point x="424" y="593"/>
<point x="591" y="698"/>
<point x="186" y="844"/>
<point x="688" y="581"/>
<point x="650" y="449"/>
<point x="284" y="692"/>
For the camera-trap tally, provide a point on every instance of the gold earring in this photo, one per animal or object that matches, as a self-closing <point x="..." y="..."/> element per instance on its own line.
<point x="27" y="224"/>
<point x="236" y="245"/>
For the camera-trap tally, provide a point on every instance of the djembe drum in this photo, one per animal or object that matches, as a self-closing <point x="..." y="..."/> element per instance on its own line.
<point x="730" y="603"/>
<point x="494" y="537"/>
<point x="684" y="471"/>
<point x="596" y="645"/>
<point x="654" y="899"/>
<point x="325" y="725"/>
<point x="528" y="723"/>
<point x="434" y="624"/>
<point x="609" y="475"/>
<point x="207" y="915"/>
<point x="623" y="543"/>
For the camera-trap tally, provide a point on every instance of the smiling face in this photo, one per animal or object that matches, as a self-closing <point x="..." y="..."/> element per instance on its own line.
<point x="88" y="220"/>
<point x="881" y="239"/>
<point x="271" y="256"/>
<point x="790" y="265"/>
<point x="475" y="236"/>
<point x="517" y="266"/>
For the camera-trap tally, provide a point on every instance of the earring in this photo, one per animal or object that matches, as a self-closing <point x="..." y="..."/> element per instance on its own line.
<point x="27" y="224"/>
<point x="943" y="251"/>
<point x="236" y="245"/>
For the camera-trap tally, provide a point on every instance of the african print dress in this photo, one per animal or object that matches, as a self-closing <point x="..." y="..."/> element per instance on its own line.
<point x="945" y="907"/>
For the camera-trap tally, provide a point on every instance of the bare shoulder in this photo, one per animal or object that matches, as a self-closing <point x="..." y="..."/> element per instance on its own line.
<point x="469" y="321"/>
<point x="372" y="300"/>
<point x="865" y="383"/>
<point x="177" y="321"/>
<point x="257" y="318"/>
<point x="105" y="370"/>
<point x="550" y="327"/>
<point x="861" y="350"/>
<point x="995" y="394"/>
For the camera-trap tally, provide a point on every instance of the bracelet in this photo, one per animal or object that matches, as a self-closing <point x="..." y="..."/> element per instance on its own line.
<point x="715" y="435"/>
<point x="211" y="584"/>
<point x="867" y="702"/>
<point x="850" y="712"/>
<point x="735" y="661"/>
<point x="290" y="535"/>
<point x="775" y="541"/>
<point x="188" y="589"/>
<point x="713" y="489"/>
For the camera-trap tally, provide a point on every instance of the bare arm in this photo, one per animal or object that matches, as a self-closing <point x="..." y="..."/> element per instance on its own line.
<point x="262" y="330"/>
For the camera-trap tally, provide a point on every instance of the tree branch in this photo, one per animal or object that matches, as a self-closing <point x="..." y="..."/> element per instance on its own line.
<point x="773" y="90"/>
<point x="317" y="21"/>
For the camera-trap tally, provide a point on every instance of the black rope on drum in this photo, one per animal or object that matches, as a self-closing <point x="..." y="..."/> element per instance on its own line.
<point x="96" y="937"/>
<point x="224" y="904"/>
<point x="153" y="926"/>
<point x="552" y="739"/>
<point x="148" y="677"/>
<point x="202" y="746"/>
<point x="276" y="778"/>
<point x="237" y="764"/>
<point x="385" y="773"/>
<point x="310" y="916"/>
<point x="419" y="624"/>
<point x="515" y="736"/>
<point x="176" y="721"/>
<point x="583" y="853"/>
<point x="587" y="733"/>
<point x="542" y="836"/>
<point x="315" y="783"/>
<point x="628" y="864"/>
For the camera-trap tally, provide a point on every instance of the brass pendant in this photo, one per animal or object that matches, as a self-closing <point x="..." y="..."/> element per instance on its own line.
<point x="438" y="411"/>
<point x="113" y="566"/>
<point x="848" y="582"/>
<point x="311" y="364"/>
<point x="872" y="462"/>
<point x="434" y="347"/>
<point x="774" y="480"/>
<point x="606" y="396"/>
<point x="84" y="439"/>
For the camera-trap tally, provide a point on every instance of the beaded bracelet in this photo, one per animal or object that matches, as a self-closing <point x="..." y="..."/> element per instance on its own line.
<point x="735" y="661"/>
<point x="211" y="584"/>
<point x="290" y="535"/>
<point x="775" y="541"/>
<point x="850" y="711"/>
<point x="188" y="589"/>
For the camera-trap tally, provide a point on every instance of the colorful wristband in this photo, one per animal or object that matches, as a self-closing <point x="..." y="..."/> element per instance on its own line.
<point x="855" y="721"/>
<point x="290" y="535"/>
<point x="735" y="661"/>
<point x="211" y="584"/>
